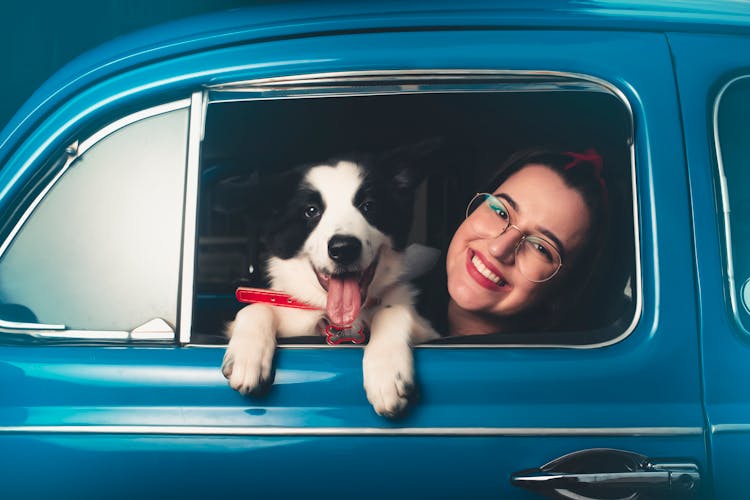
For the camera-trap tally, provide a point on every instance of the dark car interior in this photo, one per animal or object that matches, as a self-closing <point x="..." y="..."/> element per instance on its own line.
<point x="477" y="130"/>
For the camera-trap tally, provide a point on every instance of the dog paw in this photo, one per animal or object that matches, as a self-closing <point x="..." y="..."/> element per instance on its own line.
<point x="248" y="365"/>
<point x="389" y="378"/>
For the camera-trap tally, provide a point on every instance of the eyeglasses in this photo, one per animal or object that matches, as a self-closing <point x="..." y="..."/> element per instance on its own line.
<point x="538" y="260"/>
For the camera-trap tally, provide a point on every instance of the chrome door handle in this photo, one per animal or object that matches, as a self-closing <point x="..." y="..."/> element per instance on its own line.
<point x="621" y="474"/>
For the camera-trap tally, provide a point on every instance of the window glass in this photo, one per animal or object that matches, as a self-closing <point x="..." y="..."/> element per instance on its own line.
<point x="101" y="251"/>
<point x="256" y="139"/>
<point x="733" y="143"/>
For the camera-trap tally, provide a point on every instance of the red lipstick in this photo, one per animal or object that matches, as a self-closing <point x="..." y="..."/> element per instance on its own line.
<point x="480" y="278"/>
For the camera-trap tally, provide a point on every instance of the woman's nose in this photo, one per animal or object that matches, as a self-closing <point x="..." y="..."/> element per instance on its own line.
<point x="503" y="247"/>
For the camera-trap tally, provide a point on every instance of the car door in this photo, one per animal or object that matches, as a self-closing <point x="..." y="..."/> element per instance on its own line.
<point x="153" y="416"/>
<point x="713" y="82"/>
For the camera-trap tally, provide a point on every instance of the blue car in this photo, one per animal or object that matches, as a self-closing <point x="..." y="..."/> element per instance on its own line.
<point x="119" y="259"/>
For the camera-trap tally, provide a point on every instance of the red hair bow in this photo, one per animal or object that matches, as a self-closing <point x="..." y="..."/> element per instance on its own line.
<point x="592" y="157"/>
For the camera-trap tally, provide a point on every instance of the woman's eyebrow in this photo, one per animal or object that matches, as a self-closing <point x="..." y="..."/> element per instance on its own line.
<point x="546" y="232"/>
<point x="507" y="198"/>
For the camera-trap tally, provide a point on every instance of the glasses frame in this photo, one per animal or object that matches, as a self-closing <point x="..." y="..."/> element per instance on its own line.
<point x="524" y="236"/>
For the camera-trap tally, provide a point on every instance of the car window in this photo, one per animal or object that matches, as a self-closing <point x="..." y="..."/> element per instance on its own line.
<point x="732" y="129"/>
<point x="101" y="250"/>
<point x="250" y="137"/>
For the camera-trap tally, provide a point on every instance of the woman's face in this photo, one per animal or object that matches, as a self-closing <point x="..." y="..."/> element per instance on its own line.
<point x="483" y="275"/>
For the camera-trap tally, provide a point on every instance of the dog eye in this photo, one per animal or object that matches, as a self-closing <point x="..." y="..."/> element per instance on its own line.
<point x="367" y="206"/>
<point x="311" y="211"/>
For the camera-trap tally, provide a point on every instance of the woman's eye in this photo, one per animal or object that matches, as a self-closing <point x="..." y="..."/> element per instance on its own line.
<point x="500" y="211"/>
<point x="311" y="211"/>
<point x="543" y="251"/>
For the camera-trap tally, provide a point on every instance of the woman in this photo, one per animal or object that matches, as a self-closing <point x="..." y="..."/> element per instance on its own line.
<point x="529" y="250"/>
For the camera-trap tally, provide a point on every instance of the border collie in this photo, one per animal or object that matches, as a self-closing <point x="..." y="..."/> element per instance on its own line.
<point x="334" y="237"/>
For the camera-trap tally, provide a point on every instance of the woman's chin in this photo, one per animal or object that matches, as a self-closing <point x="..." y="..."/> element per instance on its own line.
<point x="469" y="299"/>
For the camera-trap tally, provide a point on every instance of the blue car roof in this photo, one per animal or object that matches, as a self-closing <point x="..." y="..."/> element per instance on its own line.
<point x="309" y="18"/>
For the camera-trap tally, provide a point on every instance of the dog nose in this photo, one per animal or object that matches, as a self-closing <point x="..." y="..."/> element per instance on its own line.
<point x="344" y="249"/>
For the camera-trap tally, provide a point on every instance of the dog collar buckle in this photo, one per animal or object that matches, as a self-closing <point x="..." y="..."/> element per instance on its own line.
<point x="336" y="335"/>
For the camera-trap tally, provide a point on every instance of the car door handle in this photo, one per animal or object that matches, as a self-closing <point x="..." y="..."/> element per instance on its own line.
<point x="610" y="473"/>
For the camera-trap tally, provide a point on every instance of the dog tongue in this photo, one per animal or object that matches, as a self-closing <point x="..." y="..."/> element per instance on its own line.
<point x="343" y="301"/>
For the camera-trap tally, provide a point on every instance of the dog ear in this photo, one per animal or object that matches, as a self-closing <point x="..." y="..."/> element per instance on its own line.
<point x="410" y="164"/>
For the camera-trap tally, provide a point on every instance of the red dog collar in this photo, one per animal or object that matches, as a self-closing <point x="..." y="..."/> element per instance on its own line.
<point x="279" y="299"/>
<point x="334" y="334"/>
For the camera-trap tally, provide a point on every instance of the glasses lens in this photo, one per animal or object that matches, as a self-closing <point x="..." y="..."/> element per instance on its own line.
<point x="537" y="259"/>
<point x="487" y="215"/>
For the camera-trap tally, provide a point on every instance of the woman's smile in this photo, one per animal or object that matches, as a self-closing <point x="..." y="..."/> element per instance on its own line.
<point x="484" y="273"/>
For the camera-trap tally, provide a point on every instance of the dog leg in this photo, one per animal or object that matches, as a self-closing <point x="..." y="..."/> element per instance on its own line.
<point x="388" y="364"/>
<point x="248" y="361"/>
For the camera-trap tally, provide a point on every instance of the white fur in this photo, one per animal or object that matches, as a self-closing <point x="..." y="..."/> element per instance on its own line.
<point x="388" y="367"/>
<point x="337" y="186"/>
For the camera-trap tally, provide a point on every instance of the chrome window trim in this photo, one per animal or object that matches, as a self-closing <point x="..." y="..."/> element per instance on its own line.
<point x="733" y="299"/>
<point x="198" y="107"/>
<point x="13" y="325"/>
<point x="355" y="431"/>
<point x="75" y="151"/>
<point x="342" y="84"/>
<point x="129" y="120"/>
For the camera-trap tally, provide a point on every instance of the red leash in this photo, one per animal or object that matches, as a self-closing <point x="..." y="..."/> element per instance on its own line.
<point x="335" y="334"/>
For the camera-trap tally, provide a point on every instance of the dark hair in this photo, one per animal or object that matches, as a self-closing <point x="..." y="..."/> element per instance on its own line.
<point x="569" y="304"/>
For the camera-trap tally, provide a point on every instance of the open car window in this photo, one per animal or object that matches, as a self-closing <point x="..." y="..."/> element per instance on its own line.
<point x="256" y="128"/>
<point x="96" y="255"/>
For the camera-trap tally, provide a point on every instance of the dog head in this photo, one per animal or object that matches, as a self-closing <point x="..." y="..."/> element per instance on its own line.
<point x="332" y="220"/>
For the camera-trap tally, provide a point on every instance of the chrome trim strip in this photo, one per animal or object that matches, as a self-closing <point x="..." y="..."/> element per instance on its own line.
<point x="130" y="119"/>
<point x="729" y="428"/>
<point x="725" y="206"/>
<point x="12" y="325"/>
<point x="94" y="335"/>
<point x="398" y="75"/>
<point x="356" y="431"/>
<point x="190" y="219"/>
<point x="81" y="335"/>
<point x="78" y="150"/>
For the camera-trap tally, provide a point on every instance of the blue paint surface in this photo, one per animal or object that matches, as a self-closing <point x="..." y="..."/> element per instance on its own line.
<point x="682" y="367"/>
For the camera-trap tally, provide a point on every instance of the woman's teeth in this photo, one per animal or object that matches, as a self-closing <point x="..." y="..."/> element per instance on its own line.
<point x="486" y="272"/>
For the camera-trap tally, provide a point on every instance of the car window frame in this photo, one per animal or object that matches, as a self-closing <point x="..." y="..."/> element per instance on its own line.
<point x="381" y="82"/>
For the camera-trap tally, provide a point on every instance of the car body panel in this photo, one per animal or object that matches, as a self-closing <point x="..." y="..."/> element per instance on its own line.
<point x="703" y="65"/>
<point x="142" y="416"/>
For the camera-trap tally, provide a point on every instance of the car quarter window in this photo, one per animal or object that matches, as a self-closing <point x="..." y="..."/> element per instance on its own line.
<point x="98" y="253"/>
<point x="732" y="136"/>
<point x="254" y="132"/>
